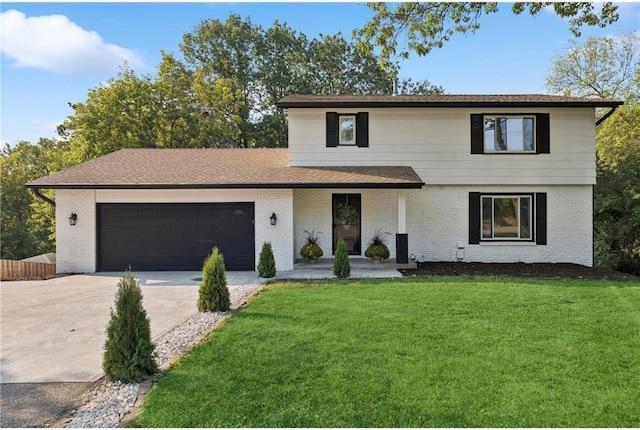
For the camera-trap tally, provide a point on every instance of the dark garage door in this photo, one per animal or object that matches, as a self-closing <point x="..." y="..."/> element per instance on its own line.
<point x="174" y="236"/>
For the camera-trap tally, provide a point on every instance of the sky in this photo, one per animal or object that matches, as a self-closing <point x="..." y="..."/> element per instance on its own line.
<point x="53" y="54"/>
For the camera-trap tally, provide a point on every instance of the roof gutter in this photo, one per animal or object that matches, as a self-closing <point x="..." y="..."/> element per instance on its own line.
<point x="607" y="115"/>
<point x="41" y="196"/>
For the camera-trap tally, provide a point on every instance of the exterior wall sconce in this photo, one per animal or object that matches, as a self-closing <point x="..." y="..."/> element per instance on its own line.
<point x="73" y="219"/>
<point x="273" y="218"/>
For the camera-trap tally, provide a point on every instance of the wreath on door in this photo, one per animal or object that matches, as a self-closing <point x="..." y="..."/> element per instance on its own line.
<point x="347" y="213"/>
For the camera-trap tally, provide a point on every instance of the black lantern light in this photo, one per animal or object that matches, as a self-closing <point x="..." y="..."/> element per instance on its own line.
<point x="273" y="218"/>
<point x="73" y="219"/>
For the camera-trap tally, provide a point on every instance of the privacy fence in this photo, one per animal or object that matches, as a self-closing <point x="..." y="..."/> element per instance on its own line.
<point x="14" y="269"/>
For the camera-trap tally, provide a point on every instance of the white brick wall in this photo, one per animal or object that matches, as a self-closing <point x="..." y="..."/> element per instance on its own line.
<point x="438" y="220"/>
<point x="76" y="245"/>
<point x="279" y="202"/>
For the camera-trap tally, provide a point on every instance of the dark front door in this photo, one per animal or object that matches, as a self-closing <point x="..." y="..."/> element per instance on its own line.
<point x="346" y="221"/>
<point x="174" y="236"/>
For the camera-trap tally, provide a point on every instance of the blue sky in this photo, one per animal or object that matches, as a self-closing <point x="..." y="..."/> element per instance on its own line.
<point x="54" y="53"/>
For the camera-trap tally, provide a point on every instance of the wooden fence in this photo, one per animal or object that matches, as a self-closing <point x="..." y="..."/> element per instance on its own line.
<point x="15" y="269"/>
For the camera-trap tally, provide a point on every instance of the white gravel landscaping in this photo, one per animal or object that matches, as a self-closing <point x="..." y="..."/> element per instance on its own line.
<point x="110" y="402"/>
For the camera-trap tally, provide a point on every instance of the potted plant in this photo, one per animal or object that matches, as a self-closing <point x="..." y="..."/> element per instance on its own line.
<point x="311" y="250"/>
<point x="377" y="249"/>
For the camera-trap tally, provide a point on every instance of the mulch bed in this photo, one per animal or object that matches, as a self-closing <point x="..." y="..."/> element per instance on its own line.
<point x="520" y="270"/>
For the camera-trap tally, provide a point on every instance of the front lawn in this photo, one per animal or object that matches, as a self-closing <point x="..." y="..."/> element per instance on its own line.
<point x="439" y="352"/>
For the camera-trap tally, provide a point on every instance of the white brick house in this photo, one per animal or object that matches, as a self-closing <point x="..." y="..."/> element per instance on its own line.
<point x="451" y="178"/>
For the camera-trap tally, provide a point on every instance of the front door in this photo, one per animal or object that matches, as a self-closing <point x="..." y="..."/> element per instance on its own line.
<point x="346" y="221"/>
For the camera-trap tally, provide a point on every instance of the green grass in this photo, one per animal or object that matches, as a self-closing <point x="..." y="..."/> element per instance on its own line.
<point x="437" y="352"/>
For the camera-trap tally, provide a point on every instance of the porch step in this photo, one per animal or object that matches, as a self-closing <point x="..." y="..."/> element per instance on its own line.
<point x="356" y="263"/>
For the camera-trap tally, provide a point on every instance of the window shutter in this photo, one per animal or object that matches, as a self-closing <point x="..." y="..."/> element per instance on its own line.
<point x="541" y="218"/>
<point x="477" y="134"/>
<point x="362" y="129"/>
<point x="543" y="136"/>
<point x="332" y="129"/>
<point x="474" y="218"/>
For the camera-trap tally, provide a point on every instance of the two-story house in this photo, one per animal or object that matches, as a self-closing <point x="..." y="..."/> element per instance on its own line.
<point x="453" y="178"/>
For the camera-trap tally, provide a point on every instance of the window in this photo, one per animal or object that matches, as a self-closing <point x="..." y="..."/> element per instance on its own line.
<point x="514" y="134"/>
<point x="347" y="129"/>
<point x="508" y="217"/>
<point x="507" y="133"/>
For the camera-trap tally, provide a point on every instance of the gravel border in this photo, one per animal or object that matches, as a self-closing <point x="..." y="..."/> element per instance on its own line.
<point x="111" y="402"/>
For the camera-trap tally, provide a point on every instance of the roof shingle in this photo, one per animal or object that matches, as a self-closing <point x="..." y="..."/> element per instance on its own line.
<point x="219" y="168"/>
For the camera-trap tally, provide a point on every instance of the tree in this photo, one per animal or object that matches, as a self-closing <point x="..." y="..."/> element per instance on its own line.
<point x="341" y="265"/>
<point x="28" y="223"/>
<point x="610" y="68"/>
<point x="429" y="25"/>
<point x="266" y="262"/>
<point x="617" y="193"/>
<point x="128" y="350"/>
<point x="602" y="67"/>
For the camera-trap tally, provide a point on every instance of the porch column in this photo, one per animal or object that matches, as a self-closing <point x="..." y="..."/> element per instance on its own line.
<point x="402" y="239"/>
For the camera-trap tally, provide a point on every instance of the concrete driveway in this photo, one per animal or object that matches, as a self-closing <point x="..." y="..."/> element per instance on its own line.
<point x="54" y="330"/>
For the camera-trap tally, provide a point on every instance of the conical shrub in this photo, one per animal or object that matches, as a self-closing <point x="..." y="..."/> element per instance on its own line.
<point x="213" y="294"/>
<point x="341" y="266"/>
<point x="267" y="262"/>
<point x="128" y="350"/>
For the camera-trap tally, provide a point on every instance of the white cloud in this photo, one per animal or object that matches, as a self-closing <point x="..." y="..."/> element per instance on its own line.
<point x="56" y="44"/>
<point x="47" y="128"/>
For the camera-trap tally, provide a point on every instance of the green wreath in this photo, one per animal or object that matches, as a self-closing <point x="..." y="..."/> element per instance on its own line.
<point x="347" y="213"/>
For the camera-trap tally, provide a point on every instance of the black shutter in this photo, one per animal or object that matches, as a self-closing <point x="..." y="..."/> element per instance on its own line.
<point x="332" y="129"/>
<point x="362" y="129"/>
<point x="541" y="218"/>
<point x="474" y="218"/>
<point x="543" y="135"/>
<point x="477" y="134"/>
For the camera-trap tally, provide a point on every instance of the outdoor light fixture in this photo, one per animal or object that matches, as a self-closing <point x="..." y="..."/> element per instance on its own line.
<point x="273" y="218"/>
<point x="73" y="219"/>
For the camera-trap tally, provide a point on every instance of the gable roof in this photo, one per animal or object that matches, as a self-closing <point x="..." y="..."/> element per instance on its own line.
<point x="219" y="168"/>
<point x="444" y="100"/>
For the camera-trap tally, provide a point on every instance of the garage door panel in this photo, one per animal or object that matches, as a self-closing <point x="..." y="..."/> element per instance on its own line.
<point x="175" y="236"/>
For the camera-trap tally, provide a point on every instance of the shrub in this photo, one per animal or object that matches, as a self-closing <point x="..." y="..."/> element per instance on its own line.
<point x="128" y="350"/>
<point x="311" y="249"/>
<point x="267" y="262"/>
<point x="377" y="247"/>
<point x="341" y="266"/>
<point x="213" y="292"/>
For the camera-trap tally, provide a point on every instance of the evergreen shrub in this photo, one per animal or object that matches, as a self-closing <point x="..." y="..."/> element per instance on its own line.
<point x="267" y="262"/>
<point x="341" y="266"/>
<point x="213" y="294"/>
<point x="128" y="350"/>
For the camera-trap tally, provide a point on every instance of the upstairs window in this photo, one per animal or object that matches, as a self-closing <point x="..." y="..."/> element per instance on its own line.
<point x="510" y="134"/>
<point x="350" y="129"/>
<point x="346" y="130"/>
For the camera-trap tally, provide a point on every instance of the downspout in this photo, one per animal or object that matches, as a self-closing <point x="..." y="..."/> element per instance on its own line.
<point x="41" y="196"/>
<point x="607" y="115"/>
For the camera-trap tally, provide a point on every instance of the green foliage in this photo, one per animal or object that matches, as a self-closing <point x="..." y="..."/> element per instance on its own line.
<point x="377" y="247"/>
<point x="213" y="294"/>
<point x="487" y="352"/>
<point x="600" y="67"/>
<point x="341" y="265"/>
<point x="311" y="250"/>
<point x="128" y="350"/>
<point x="28" y="223"/>
<point x="267" y="262"/>
<point x="617" y="192"/>
<point x="425" y="26"/>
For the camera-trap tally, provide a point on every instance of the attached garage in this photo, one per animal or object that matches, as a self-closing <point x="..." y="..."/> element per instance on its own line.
<point x="165" y="236"/>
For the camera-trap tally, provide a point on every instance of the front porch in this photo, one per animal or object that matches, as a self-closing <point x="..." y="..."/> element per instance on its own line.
<point x="360" y="268"/>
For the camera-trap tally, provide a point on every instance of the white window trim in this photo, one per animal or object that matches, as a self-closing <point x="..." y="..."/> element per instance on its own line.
<point x="506" y="239"/>
<point x="354" y="118"/>
<point x="509" y="151"/>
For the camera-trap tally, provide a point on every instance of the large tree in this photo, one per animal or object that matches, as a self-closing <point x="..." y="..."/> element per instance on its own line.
<point x="426" y="25"/>
<point x="610" y="68"/>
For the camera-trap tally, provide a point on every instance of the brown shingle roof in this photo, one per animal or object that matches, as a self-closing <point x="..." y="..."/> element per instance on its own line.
<point x="219" y="168"/>
<point x="445" y="100"/>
